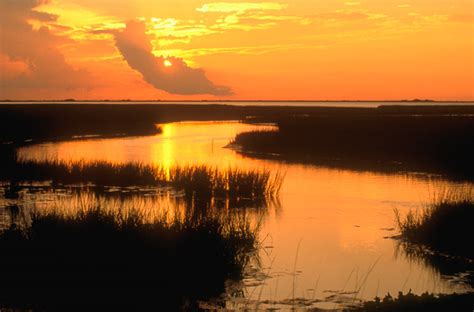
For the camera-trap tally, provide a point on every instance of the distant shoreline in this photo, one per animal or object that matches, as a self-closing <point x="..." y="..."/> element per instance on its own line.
<point x="235" y="101"/>
<point x="261" y="103"/>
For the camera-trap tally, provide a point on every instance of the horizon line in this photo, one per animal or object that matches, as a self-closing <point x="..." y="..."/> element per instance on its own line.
<point x="71" y="100"/>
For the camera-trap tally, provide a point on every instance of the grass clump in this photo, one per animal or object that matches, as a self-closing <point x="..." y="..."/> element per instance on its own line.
<point x="97" y="257"/>
<point x="444" y="225"/>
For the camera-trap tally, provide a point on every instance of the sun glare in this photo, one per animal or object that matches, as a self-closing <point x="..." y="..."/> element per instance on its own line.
<point x="167" y="63"/>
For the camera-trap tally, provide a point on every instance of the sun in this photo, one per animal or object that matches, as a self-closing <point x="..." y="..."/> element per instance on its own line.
<point x="167" y="63"/>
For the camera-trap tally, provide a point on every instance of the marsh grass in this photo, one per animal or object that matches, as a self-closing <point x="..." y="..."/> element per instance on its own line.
<point x="444" y="225"/>
<point x="194" y="180"/>
<point x="378" y="141"/>
<point x="103" y="256"/>
<point x="231" y="182"/>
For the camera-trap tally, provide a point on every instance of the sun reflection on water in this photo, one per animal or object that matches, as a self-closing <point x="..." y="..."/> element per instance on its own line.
<point x="163" y="151"/>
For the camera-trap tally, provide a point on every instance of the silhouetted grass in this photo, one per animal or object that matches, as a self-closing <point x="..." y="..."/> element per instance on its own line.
<point x="444" y="225"/>
<point x="379" y="141"/>
<point x="232" y="182"/>
<point x="196" y="180"/>
<point x="414" y="303"/>
<point x="98" y="258"/>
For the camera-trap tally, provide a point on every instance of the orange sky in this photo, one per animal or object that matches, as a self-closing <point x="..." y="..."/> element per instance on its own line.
<point x="294" y="49"/>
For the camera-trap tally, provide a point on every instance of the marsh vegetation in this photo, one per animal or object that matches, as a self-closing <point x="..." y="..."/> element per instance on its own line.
<point x="194" y="180"/>
<point x="437" y="236"/>
<point x="52" y="122"/>
<point x="433" y="143"/>
<point x="100" y="257"/>
<point x="443" y="225"/>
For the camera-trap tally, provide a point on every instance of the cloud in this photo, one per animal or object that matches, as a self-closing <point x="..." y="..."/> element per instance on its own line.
<point x="217" y="19"/>
<point x="43" y="65"/>
<point x="135" y="46"/>
<point x="248" y="15"/>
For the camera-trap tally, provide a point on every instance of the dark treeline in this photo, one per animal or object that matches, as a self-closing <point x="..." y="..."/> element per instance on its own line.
<point x="437" y="143"/>
<point x="19" y="122"/>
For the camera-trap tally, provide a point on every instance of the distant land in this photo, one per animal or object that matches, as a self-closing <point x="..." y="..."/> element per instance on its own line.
<point x="238" y="101"/>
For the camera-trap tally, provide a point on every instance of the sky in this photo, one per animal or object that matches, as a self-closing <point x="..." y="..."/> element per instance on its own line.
<point x="237" y="50"/>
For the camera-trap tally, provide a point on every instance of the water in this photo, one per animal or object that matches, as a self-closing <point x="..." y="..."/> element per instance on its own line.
<point x="325" y="239"/>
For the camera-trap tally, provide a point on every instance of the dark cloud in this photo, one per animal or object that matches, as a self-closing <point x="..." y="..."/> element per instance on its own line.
<point x="37" y="48"/>
<point x="135" y="46"/>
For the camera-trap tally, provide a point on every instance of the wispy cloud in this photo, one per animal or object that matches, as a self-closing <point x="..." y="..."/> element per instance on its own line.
<point x="247" y="15"/>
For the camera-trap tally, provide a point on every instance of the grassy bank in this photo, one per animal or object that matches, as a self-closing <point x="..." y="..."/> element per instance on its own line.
<point x="99" y="258"/>
<point x="444" y="225"/>
<point x="387" y="142"/>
